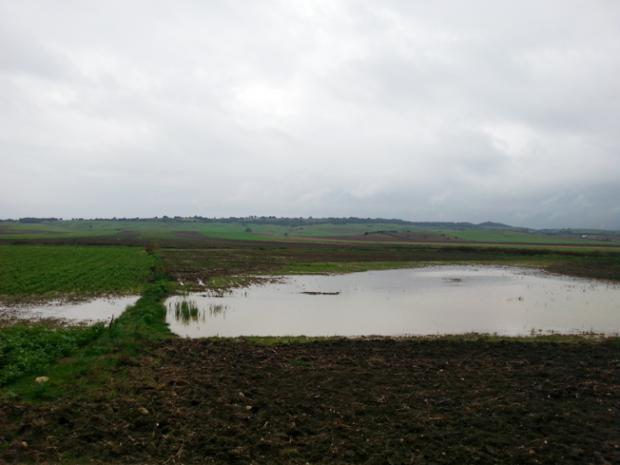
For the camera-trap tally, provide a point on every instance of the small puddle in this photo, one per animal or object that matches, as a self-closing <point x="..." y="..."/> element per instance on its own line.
<point x="422" y="301"/>
<point x="95" y="310"/>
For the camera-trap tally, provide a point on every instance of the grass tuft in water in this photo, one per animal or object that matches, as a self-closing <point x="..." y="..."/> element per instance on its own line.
<point x="186" y="311"/>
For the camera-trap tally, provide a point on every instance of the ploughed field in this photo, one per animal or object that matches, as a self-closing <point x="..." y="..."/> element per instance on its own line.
<point x="336" y="401"/>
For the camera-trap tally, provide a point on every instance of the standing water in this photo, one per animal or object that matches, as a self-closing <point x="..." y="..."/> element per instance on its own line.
<point x="100" y="309"/>
<point x="421" y="301"/>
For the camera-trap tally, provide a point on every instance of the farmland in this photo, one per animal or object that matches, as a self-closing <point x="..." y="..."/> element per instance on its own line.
<point x="131" y="392"/>
<point x="335" y="401"/>
<point x="46" y="272"/>
<point x="219" y="261"/>
<point x="287" y="230"/>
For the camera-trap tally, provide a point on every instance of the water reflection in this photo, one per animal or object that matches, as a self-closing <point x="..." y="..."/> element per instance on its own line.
<point x="217" y="310"/>
<point x="94" y="310"/>
<point x="433" y="300"/>
<point x="187" y="312"/>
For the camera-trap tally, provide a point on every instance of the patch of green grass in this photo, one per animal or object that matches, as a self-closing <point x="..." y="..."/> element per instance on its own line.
<point x="53" y="271"/>
<point x="29" y="349"/>
<point x="144" y="321"/>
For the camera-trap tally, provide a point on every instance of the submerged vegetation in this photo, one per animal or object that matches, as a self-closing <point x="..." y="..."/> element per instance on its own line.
<point x="186" y="311"/>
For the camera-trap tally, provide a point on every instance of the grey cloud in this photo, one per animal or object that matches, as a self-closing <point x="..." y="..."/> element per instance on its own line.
<point x="444" y="111"/>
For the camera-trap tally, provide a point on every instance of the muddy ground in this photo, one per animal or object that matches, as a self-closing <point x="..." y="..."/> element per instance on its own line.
<point x="396" y="236"/>
<point x="338" y="401"/>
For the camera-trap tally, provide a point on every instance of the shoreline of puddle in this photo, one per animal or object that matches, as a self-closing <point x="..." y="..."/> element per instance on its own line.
<point x="212" y="308"/>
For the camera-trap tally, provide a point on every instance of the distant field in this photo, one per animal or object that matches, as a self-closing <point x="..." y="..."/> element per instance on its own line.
<point x="49" y="271"/>
<point x="160" y="229"/>
<point x="517" y="237"/>
<point x="123" y="231"/>
<point x="226" y="266"/>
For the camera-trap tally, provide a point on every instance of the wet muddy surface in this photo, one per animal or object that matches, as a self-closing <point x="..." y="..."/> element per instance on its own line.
<point x="335" y="402"/>
<point x="422" y="301"/>
<point x="94" y="310"/>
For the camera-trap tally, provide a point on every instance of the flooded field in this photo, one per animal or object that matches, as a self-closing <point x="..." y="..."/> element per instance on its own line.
<point x="100" y="309"/>
<point x="422" y="301"/>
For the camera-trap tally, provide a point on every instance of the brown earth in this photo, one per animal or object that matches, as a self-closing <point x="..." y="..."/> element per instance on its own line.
<point x="395" y="236"/>
<point x="373" y="401"/>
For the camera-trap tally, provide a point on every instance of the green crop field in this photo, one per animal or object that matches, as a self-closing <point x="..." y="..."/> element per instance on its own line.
<point x="49" y="271"/>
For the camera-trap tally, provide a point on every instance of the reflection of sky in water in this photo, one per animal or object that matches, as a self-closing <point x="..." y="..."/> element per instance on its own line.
<point x="100" y="309"/>
<point x="434" y="300"/>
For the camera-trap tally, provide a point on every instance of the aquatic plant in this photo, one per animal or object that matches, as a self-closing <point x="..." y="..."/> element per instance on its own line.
<point x="186" y="311"/>
<point x="217" y="309"/>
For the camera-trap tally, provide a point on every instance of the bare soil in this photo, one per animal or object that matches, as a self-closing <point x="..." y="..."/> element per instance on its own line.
<point x="395" y="236"/>
<point x="372" y="401"/>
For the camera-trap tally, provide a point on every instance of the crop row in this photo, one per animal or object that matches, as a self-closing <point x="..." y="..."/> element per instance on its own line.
<point x="56" y="270"/>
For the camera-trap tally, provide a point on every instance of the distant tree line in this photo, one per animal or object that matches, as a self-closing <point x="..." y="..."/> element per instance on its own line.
<point x="274" y="220"/>
<point x="32" y="220"/>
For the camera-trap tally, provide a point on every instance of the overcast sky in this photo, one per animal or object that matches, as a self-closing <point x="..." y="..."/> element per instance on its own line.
<point x="447" y="110"/>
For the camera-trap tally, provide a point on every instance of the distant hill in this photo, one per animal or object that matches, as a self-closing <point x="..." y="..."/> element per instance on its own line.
<point x="271" y="227"/>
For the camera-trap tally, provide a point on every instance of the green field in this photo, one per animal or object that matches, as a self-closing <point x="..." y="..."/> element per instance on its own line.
<point x="170" y="229"/>
<point x="39" y="271"/>
<point x="117" y="231"/>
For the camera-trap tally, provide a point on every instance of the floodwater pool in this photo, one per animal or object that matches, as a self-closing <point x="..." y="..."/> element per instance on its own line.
<point x="89" y="311"/>
<point x="421" y="301"/>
